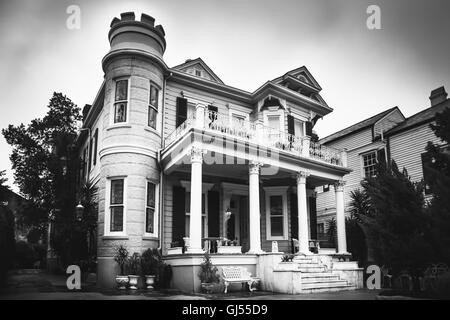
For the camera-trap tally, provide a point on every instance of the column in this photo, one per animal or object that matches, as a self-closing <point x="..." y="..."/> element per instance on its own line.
<point x="195" y="228"/>
<point x="340" y="217"/>
<point x="302" y="198"/>
<point x="255" y="229"/>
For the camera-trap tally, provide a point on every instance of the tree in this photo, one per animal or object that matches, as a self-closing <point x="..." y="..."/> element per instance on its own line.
<point x="45" y="162"/>
<point x="437" y="177"/>
<point x="6" y="232"/>
<point x="395" y="220"/>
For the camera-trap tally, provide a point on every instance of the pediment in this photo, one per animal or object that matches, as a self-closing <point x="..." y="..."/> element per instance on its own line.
<point x="198" y="68"/>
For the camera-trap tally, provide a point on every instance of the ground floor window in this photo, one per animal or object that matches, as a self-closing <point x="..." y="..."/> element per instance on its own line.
<point x="188" y="215"/>
<point x="116" y="205"/>
<point x="151" y="209"/>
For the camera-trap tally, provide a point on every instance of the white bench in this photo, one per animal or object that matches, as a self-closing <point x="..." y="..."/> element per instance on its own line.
<point x="238" y="275"/>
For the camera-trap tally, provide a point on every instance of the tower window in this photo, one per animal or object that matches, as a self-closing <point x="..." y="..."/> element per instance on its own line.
<point x="121" y="101"/>
<point x="153" y="106"/>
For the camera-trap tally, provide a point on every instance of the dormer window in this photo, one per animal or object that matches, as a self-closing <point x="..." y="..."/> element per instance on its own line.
<point x="198" y="73"/>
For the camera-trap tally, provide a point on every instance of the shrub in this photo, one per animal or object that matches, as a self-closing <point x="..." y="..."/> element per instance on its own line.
<point x="133" y="263"/>
<point x="287" y="258"/>
<point x="121" y="257"/>
<point x="208" y="272"/>
<point x="150" y="261"/>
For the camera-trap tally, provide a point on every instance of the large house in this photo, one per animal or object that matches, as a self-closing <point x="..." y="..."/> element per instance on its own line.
<point x="383" y="137"/>
<point x="185" y="163"/>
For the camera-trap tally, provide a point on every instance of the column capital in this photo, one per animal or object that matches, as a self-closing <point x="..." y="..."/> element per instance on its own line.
<point x="339" y="185"/>
<point x="197" y="154"/>
<point x="253" y="167"/>
<point x="301" y="177"/>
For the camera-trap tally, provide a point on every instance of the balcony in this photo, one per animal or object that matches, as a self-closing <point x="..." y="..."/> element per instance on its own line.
<point x="257" y="133"/>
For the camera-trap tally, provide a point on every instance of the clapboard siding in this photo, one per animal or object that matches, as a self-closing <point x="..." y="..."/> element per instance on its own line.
<point x="406" y="149"/>
<point x="173" y="90"/>
<point x="353" y="141"/>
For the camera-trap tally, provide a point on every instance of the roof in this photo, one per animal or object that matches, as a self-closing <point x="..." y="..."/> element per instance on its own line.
<point x="422" y="117"/>
<point x="192" y="62"/>
<point x="357" y="127"/>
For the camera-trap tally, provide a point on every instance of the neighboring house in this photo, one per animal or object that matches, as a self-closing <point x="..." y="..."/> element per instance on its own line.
<point x="183" y="161"/>
<point x="14" y="201"/>
<point x="385" y="136"/>
<point x="365" y="145"/>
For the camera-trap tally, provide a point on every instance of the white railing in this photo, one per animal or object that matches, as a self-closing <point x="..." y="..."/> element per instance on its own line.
<point x="258" y="133"/>
<point x="324" y="153"/>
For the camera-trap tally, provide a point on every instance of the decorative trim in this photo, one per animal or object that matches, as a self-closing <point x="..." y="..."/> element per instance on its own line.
<point x="205" y="186"/>
<point x="197" y="154"/>
<point x="115" y="149"/>
<point x="254" y="167"/>
<point x="301" y="177"/>
<point x="239" y="189"/>
<point x="339" y="185"/>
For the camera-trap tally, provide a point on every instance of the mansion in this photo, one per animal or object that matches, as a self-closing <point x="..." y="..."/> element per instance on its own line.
<point x="187" y="164"/>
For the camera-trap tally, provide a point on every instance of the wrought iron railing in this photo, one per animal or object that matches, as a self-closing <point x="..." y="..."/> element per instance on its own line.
<point x="260" y="134"/>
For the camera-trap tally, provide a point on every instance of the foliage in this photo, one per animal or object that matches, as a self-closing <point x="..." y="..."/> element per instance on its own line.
<point x="208" y="272"/>
<point x="45" y="164"/>
<point x="121" y="258"/>
<point x="391" y="210"/>
<point x="287" y="258"/>
<point x="6" y="241"/>
<point x="150" y="261"/>
<point x="134" y="263"/>
<point x="437" y="170"/>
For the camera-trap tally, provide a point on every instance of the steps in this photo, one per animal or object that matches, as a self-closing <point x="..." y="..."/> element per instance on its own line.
<point x="316" y="278"/>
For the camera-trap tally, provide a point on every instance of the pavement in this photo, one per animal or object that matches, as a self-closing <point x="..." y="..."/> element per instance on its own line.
<point x="43" y="286"/>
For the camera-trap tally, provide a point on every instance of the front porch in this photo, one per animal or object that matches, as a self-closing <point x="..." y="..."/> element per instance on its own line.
<point x="231" y="193"/>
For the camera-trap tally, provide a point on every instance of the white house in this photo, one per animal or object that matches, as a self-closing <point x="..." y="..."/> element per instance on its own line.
<point x="183" y="161"/>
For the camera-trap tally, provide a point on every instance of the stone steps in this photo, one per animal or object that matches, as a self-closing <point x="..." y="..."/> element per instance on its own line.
<point x="314" y="269"/>
<point x="328" y="289"/>
<point x="319" y="277"/>
<point x="325" y="284"/>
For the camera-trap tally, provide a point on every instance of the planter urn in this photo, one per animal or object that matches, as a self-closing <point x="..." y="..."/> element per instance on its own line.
<point x="149" y="281"/>
<point x="133" y="281"/>
<point x="122" y="282"/>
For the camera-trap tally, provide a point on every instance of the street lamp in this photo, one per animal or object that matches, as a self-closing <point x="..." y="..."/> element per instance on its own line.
<point x="79" y="211"/>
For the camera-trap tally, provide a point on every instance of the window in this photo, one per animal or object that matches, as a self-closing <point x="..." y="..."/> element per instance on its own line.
<point x="120" y="101"/>
<point x="298" y="128"/>
<point x="369" y="164"/>
<point x="153" y="106"/>
<point x="116" y="207"/>
<point x="274" y="122"/>
<point x="198" y="73"/>
<point x="320" y="228"/>
<point x="150" y="209"/>
<point x="188" y="215"/>
<point x="181" y="111"/>
<point x="276" y="213"/>
<point x="326" y="188"/>
<point x="276" y="216"/>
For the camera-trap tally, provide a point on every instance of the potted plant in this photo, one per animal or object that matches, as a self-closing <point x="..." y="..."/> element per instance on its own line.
<point x="133" y="263"/>
<point x="287" y="263"/>
<point x="121" y="258"/>
<point x="208" y="274"/>
<point x="149" y="266"/>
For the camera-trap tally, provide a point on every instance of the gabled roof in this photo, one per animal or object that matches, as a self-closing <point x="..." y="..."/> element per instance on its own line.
<point x="310" y="81"/>
<point x="190" y="63"/>
<point x="357" y="127"/>
<point x="419" y="118"/>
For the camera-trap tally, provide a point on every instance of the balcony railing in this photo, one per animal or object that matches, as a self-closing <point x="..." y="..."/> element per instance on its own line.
<point x="258" y="133"/>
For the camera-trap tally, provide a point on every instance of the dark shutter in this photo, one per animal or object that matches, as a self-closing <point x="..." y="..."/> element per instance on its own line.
<point x="90" y="156"/>
<point x="381" y="155"/>
<point x="426" y="172"/>
<point x="95" y="146"/>
<point x="213" y="214"/>
<point x="312" y="218"/>
<point x="179" y="214"/>
<point x="291" y="127"/>
<point x="294" y="218"/>
<point x="181" y="111"/>
<point x="309" y="127"/>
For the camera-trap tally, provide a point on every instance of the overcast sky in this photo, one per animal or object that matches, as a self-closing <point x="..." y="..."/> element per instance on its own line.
<point x="362" y="72"/>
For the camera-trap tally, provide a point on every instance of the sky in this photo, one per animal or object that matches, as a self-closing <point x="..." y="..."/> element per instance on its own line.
<point x="362" y="72"/>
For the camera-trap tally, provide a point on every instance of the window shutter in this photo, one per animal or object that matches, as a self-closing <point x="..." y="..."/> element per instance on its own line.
<point x="213" y="214"/>
<point x="309" y="127"/>
<point x="181" y="111"/>
<point x="95" y="146"/>
<point x="381" y="155"/>
<point x="313" y="218"/>
<point x="179" y="214"/>
<point x="291" y="126"/>
<point x="294" y="219"/>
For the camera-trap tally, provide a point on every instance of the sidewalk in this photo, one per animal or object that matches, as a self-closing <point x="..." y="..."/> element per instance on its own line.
<point x="42" y="286"/>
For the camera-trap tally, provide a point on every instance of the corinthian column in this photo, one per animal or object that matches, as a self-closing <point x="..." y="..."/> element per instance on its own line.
<point x="255" y="233"/>
<point x="303" y="232"/>
<point x="340" y="216"/>
<point x="195" y="228"/>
